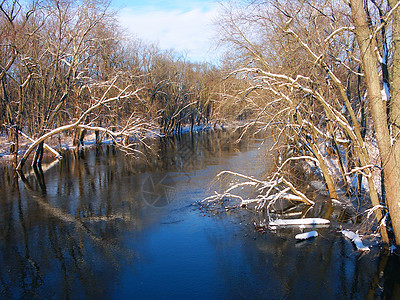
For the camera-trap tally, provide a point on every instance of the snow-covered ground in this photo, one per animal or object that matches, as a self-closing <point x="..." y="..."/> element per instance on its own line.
<point x="24" y="143"/>
<point x="65" y="142"/>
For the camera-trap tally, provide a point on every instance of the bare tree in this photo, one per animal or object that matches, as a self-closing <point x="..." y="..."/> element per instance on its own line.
<point x="311" y="89"/>
<point x="16" y="68"/>
<point x="133" y="127"/>
<point x="387" y="139"/>
<point x="59" y="62"/>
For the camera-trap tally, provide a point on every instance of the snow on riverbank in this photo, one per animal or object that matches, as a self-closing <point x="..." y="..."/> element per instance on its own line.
<point x="65" y="142"/>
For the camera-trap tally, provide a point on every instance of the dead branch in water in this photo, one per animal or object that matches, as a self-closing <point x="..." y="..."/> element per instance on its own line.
<point x="275" y="189"/>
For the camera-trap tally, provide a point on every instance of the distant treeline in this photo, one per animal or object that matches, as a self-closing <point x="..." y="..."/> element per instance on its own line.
<point x="59" y="58"/>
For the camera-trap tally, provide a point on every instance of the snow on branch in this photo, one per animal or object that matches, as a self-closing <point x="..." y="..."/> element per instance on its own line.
<point x="295" y="158"/>
<point x="360" y="170"/>
<point x="356" y="239"/>
<point x="337" y="31"/>
<point x="385" y="20"/>
<point x="132" y="125"/>
<point x="275" y="189"/>
<point x="371" y="210"/>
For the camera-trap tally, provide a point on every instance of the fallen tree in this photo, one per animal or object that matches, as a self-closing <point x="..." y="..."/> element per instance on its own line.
<point x="134" y="126"/>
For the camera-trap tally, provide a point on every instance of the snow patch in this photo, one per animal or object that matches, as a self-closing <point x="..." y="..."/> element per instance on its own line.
<point x="298" y="222"/>
<point x="306" y="235"/>
<point x="384" y="96"/>
<point x="291" y="197"/>
<point x="356" y="239"/>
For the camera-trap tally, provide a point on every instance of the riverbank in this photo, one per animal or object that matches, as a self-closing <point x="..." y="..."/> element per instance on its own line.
<point x="64" y="142"/>
<point x="59" y="144"/>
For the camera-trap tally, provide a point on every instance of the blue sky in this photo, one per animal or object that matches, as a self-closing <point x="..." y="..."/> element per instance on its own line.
<point x="183" y="25"/>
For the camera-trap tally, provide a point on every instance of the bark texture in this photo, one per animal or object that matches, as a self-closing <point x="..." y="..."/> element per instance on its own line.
<point x="389" y="151"/>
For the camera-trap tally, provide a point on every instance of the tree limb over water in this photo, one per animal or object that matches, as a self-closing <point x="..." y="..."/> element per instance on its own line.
<point x="314" y="92"/>
<point x="133" y="126"/>
<point x="275" y="189"/>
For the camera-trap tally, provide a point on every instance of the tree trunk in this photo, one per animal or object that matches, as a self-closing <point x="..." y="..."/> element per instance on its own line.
<point x="392" y="170"/>
<point x="330" y="185"/>
<point x="395" y="98"/>
<point x="37" y="160"/>
<point x="15" y="145"/>
<point x="97" y="133"/>
<point x="379" y="115"/>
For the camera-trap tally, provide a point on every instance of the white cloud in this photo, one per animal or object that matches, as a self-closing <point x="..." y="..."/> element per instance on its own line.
<point x="189" y="31"/>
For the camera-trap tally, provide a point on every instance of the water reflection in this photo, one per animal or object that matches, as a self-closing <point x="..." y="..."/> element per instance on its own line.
<point x="276" y="266"/>
<point x="62" y="229"/>
<point x="100" y="224"/>
<point x="47" y="246"/>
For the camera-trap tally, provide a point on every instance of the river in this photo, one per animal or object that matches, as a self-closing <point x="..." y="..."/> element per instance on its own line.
<point x="103" y="225"/>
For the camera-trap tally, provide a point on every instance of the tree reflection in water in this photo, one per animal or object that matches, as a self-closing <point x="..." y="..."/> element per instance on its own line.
<point x="72" y="230"/>
<point x="62" y="227"/>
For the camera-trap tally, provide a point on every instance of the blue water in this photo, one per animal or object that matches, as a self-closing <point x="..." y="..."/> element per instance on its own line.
<point x="102" y="225"/>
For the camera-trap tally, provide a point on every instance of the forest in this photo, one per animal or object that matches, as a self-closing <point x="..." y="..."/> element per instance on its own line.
<point x="69" y="63"/>
<point x="322" y="77"/>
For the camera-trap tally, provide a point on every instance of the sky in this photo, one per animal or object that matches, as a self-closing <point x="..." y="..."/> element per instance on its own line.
<point x="183" y="25"/>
